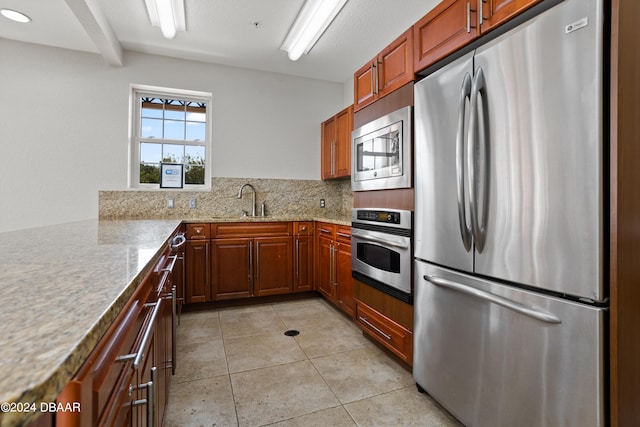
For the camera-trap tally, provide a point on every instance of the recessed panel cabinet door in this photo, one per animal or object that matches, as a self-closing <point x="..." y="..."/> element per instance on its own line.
<point x="273" y="265"/>
<point x="495" y="12"/>
<point x="197" y="277"/>
<point x="449" y="26"/>
<point x="231" y="264"/>
<point x="324" y="271"/>
<point x="344" y="288"/>
<point x="364" y="85"/>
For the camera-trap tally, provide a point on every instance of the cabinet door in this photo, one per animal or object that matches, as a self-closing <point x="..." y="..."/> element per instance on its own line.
<point x="342" y="158"/>
<point x="328" y="146"/>
<point x="395" y="64"/>
<point x="344" y="281"/>
<point x="197" y="271"/>
<point x="449" y="26"/>
<point x="303" y="264"/>
<point x="324" y="263"/>
<point x="364" y="85"/>
<point x="230" y="262"/>
<point x="495" y="12"/>
<point x="273" y="266"/>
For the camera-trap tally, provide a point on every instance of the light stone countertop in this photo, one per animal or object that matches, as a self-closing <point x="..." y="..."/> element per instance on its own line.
<point x="61" y="288"/>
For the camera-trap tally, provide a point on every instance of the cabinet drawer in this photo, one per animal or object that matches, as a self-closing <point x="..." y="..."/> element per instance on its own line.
<point x="325" y="229"/>
<point x="251" y="230"/>
<point x="384" y="330"/>
<point x="198" y="231"/>
<point x="303" y="228"/>
<point x="343" y="234"/>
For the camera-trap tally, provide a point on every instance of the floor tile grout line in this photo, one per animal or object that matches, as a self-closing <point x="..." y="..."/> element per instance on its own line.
<point x="228" y="375"/>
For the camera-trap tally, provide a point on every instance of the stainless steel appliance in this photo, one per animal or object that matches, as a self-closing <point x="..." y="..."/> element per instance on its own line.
<point x="510" y="283"/>
<point x="381" y="250"/>
<point x="381" y="153"/>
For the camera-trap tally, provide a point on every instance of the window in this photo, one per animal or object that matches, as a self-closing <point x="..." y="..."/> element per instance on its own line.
<point x="170" y="126"/>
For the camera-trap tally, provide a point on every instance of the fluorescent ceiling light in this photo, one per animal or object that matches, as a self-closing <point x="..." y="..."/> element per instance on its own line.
<point x="168" y="15"/>
<point x="312" y="21"/>
<point x="15" y="16"/>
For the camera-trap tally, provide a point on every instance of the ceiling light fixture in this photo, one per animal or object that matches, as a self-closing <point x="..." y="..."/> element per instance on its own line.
<point x="168" y="15"/>
<point x="15" y="16"/>
<point x="312" y="21"/>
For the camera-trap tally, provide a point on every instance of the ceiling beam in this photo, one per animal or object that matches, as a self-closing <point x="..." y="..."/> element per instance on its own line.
<point x="98" y="28"/>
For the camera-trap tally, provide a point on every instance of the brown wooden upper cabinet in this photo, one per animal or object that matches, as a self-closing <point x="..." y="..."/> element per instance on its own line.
<point x="389" y="70"/>
<point x="335" y="154"/>
<point x="455" y="23"/>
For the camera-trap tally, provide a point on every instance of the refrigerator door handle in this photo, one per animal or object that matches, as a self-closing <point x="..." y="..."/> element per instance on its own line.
<point x="477" y="183"/>
<point x="465" y="93"/>
<point x="532" y="312"/>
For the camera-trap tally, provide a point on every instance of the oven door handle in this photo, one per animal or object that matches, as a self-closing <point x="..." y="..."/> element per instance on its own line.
<point x="395" y="243"/>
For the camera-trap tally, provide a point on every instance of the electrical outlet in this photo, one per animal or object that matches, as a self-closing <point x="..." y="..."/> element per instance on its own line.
<point x="322" y="204"/>
<point x="170" y="203"/>
<point x="192" y="203"/>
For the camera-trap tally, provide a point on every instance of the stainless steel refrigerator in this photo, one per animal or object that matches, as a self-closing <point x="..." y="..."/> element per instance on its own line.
<point x="510" y="280"/>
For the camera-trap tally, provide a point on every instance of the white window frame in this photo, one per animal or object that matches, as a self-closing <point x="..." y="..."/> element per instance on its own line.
<point x="135" y="92"/>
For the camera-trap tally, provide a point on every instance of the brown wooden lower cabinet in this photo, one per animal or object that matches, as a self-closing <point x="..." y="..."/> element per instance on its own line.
<point x="390" y="334"/>
<point x="324" y="259"/>
<point x="333" y="265"/>
<point x="110" y="389"/>
<point x="303" y="256"/>
<point x="387" y="320"/>
<point x="248" y="260"/>
<point x="230" y="262"/>
<point x="273" y="266"/>
<point x="102" y="383"/>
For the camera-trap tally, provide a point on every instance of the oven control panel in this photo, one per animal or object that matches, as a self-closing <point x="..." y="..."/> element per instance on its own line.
<point x="382" y="217"/>
<point x="387" y="217"/>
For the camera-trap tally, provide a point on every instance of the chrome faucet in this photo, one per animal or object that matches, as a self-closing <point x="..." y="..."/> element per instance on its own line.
<point x="253" y="198"/>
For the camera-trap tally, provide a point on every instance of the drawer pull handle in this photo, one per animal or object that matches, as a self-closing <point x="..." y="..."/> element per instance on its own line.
<point x="151" y="400"/>
<point x="173" y="258"/>
<point x="366" y="322"/>
<point x="146" y="338"/>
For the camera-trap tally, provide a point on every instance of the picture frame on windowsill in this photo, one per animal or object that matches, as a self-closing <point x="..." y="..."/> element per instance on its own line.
<point x="171" y="175"/>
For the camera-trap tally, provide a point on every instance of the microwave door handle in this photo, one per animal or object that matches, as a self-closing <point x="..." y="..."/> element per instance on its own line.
<point x="465" y="230"/>
<point x="387" y="242"/>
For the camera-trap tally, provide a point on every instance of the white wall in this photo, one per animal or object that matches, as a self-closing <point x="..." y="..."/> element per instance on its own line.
<point x="64" y="120"/>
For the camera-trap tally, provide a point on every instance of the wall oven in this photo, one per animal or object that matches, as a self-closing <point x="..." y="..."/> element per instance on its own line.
<point x="381" y="153"/>
<point x="381" y="250"/>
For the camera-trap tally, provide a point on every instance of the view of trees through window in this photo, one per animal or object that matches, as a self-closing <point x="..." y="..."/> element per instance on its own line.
<point x="172" y="131"/>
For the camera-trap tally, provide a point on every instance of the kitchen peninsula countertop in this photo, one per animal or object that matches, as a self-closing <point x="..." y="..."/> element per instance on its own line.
<point x="62" y="287"/>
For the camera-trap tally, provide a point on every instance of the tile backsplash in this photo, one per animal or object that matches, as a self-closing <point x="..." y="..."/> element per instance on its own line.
<point x="283" y="197"/>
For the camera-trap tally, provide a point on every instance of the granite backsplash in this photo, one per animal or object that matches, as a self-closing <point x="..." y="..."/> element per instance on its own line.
<point x="283" y="197"/>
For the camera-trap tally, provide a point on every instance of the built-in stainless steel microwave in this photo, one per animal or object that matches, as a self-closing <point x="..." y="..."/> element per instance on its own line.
<point x="381" y="153"/>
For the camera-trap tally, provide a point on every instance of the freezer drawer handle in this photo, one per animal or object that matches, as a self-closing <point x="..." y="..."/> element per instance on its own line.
<point x="488" y="296"/>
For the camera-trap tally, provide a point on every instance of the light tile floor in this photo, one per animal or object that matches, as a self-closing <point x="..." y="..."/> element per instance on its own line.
<point x="237" y="368"/>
